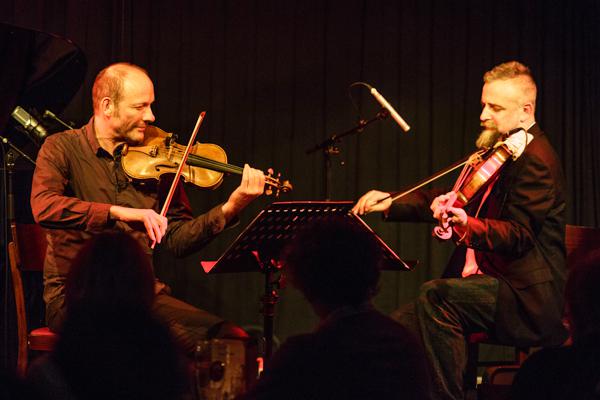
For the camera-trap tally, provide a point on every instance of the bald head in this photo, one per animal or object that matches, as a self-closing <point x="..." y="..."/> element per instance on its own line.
<point x="110" y="82"/>
<point x="519" y="77"/>
<point x="123" y="95"/>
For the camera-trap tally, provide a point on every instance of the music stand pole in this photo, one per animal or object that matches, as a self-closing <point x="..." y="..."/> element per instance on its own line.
<point x="268" y="300"/>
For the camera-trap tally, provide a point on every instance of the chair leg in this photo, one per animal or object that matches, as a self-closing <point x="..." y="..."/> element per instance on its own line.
<point x="470" y="378"/>
<point x="22" y="352"/>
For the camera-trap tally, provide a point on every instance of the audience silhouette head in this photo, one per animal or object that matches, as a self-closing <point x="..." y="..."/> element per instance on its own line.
<point x="111" y="346"/>
<point x="110" y="272"/>
<point x="334" y="263"/>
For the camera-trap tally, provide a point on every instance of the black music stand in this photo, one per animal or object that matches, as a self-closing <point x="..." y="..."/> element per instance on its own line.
<point x="259" y="246"/>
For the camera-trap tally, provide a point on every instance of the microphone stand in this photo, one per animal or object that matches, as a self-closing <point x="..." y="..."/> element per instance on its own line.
<point x="7" y="142"/>
<point x="51" y="115"/>
<point x="10" y="154"/>
<point x="330" y="149"/>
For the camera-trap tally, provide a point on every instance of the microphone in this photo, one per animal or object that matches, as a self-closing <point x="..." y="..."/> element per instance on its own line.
<point x="30" y="124"/>
<point x="405" y="127"/>
<point x="50" y="114"/>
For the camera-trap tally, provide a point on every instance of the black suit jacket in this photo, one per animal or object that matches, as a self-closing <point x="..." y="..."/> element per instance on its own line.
<point x="518" y="238"/>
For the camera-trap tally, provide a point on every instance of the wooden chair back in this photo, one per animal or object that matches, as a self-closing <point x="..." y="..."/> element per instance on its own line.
<point x="26" y="253"/>
<point x="580" y="241"/>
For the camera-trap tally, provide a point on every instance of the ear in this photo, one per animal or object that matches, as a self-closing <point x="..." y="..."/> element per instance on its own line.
<point x="527" y="112"/>
<point x="107" y="106"/>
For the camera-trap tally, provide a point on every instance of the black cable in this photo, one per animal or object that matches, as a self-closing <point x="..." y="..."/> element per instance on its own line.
<point x="352" y="100"/>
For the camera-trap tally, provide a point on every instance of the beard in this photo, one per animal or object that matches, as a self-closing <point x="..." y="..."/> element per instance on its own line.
<point x="127" y="128"/>
<point x="130" y="133"/>
<point x="488" y="136"/>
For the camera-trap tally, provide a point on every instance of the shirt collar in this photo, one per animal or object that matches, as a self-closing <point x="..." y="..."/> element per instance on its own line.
<point x="530" y="126"/>
<point x="90" y="135"/>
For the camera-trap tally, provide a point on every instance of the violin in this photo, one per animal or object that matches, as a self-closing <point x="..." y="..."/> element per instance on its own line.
<point x="205" y="166"/>
<point x="480" y="170"/>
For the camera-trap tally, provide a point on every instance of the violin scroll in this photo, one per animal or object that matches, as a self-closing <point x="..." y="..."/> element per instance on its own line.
<point x="442" y="233"/>
<point x="443" y="230"/>
<point x="274" y="185"/>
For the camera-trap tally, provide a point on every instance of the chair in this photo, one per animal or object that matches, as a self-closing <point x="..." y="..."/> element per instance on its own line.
<point x="579" y="241"/>
<point x="474" y="340"/>
<point x="26" y="253"/>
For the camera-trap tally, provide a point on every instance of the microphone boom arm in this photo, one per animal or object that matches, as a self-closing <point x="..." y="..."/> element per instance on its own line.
<point x="336" y="137"/>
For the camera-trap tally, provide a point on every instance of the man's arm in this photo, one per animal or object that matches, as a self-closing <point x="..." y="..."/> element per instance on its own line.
<point x="413" y="207"/>
<point x="53" y="209"/>
<point x="186" y="234"/>
<point x="50" y="206"/>
<point x="530" y="199"/>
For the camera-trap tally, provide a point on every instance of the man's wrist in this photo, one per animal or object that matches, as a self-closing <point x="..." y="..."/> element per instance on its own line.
<point x="112" y="213"/>
<point x="460" y="232"/>
<point x="229" y="211"/>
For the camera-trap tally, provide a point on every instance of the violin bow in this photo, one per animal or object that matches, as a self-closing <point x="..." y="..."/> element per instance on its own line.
<point x="167" y="203"/>
<point x="432" y="178"/>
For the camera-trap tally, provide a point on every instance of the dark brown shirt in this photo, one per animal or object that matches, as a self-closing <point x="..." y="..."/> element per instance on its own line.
<point x="74" y="185"/>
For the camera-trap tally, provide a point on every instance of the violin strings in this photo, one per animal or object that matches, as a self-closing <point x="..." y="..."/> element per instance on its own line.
<point x="228" y="167"/>
<point x="461" y="178"/>
<point x="207" y="160"/>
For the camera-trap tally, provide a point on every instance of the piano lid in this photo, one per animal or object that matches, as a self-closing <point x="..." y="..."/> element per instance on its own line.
<point x="38" y="71"/>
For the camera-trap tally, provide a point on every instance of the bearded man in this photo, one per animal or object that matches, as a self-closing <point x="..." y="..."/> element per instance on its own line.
<point x="506" y="276"/>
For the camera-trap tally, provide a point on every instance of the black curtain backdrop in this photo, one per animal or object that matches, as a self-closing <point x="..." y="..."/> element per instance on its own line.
<point x="273" y="77"/>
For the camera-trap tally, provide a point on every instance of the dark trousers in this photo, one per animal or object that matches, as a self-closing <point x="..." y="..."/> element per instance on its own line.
<point x="187" y="324"/>
<point x="445" y="311"/>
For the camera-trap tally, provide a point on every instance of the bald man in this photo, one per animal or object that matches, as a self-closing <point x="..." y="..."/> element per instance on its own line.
<point x="80" y="189"/>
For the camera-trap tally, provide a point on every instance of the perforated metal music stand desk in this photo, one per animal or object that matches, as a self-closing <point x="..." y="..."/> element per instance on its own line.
<point x="259" y="246"/>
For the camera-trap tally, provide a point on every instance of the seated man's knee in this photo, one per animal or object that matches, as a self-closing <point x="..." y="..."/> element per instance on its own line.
<point x="436" y="302"/>
<point x="55" y="315"/>
<point x="432" y="292"/>
<point x="226" y="330"/>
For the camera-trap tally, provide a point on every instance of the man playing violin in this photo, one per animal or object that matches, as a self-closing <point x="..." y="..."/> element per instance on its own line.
<point x="79" y="189"/>
<point x="506" y="275"/>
